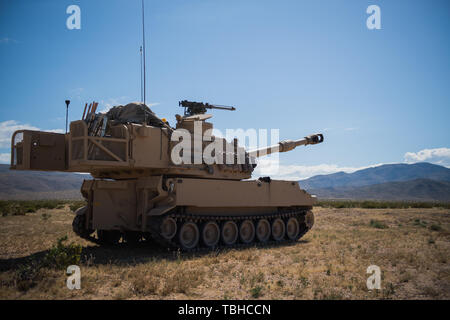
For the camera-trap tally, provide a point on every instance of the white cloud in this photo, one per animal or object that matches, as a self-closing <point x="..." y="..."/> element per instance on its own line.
<point x="439" y="156"/>
<point x="5" y="157"/>
<point x="56" y="130"/>
<point x="76" y="93"/>
<point x="8" y="127"/>
<point x="7" y="40"/>
<point x="105" y="105"/>
<point x="269" y="167"/>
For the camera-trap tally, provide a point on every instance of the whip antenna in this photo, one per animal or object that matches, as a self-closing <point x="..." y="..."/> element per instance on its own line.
<point x="142" y="98"/>
<point x="143" y="41"/>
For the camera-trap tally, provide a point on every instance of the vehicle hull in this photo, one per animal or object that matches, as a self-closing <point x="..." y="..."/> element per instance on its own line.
<point x="145" y="205"/>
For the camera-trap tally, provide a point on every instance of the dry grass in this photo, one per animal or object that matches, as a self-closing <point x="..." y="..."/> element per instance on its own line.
<point x="411" y="246"/>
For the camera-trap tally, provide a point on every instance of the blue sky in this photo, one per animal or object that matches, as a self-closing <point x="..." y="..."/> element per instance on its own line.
<point x="379" y="96"/>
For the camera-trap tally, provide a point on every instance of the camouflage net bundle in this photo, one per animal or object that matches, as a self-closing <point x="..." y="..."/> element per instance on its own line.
<point x="135" y="112"/>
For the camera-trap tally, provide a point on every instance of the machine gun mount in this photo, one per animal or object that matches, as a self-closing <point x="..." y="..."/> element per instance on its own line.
<point x="192" y="108"/>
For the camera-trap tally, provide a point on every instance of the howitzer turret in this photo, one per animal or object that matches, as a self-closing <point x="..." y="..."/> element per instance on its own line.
<point x="157" y="190"/>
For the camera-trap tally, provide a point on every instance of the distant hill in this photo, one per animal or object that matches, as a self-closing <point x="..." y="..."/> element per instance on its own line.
<point x="413" y="190"/>
<point x="415" y="182"/>
<point x="39" y="184"/>
<point x="377" y="175"/>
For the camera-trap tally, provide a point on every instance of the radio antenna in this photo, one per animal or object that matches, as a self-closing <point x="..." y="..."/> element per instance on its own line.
<point x="143" y="42"/>
<point x="142" y="98"/>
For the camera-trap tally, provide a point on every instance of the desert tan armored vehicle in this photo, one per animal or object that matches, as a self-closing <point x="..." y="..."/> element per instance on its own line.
<point x="141" y="190"/>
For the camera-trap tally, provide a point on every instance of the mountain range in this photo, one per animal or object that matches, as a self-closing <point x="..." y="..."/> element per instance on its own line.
<point x="35" y="185"/>
<point x="414" y="182"/>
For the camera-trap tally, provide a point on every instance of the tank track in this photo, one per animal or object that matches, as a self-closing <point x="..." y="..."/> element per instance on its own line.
<point x="154" y="224"/>
<point x="78" y="226"/>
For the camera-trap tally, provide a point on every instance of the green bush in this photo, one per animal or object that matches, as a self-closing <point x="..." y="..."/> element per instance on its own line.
<point x="256" y="292"/>
<point x="60" y="256"/>
<point x="435" y="227"/>
<point x="377" y="224"/>
<point x="27" y="275"/>
<point x="418" y="222"/>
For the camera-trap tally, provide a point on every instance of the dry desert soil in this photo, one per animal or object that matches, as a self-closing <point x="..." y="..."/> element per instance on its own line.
<point x="411" y="247"/>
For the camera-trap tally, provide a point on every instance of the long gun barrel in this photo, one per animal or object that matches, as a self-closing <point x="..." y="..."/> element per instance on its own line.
<point x="287" y="145"/>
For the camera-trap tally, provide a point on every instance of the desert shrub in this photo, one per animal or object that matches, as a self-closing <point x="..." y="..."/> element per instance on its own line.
<point x="257" y="278"/>
<point x="377" y="224"/>
<point x="45" y="216"/>
<point x="418" y="222"/>
<point x="181" y="281"/>
<point x="256" y="292"/>
<point x="435" y="227"/>
<point x="26" y="275"/>
<point x="166" y="279"/>
<point x="145" y="285"/>
<point x="60" y="256"/>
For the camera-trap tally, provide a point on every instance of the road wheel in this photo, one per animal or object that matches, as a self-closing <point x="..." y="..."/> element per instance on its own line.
<point x="278" y="229"/>
<point x="292" y="228"/>
<point x="263" y="230"/>
<point x="168" y="228"/>
<point x="79" y="225"/>
<point x="309" y="219"/>
<point x="108" y="237"/>
<point x="247" y="231"/>
<point x="210" y="234"/>
<point x="229" y="233"/>
<point x="189" y="235"/>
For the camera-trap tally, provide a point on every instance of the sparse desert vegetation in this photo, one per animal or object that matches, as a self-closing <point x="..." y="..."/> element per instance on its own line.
<point x="411" y="246"/>
<point x="22" y="207"/>
<point x="378" y="204"/>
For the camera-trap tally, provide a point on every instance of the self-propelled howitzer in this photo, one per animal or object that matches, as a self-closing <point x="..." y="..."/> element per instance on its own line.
<point x="146" y="186"/>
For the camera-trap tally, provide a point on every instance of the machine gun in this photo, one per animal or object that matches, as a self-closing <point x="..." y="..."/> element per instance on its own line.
<point x="192" y="108"/>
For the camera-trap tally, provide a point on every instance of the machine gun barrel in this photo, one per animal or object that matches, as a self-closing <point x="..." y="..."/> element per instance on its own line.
<point x="214" y="106"/>
<point x="287" y="145"/>
<point x="191" y="108"/>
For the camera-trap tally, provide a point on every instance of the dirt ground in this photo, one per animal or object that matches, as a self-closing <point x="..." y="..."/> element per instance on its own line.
<point x="411" y="247"/>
